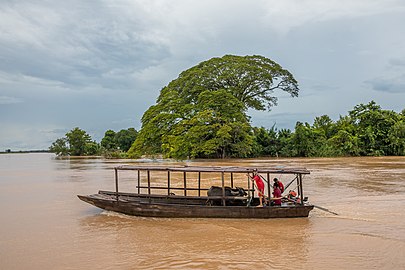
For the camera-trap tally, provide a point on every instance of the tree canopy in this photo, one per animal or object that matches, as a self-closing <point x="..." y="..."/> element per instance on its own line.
<point x="203" y="113"/>
<point x="75" y="143"/>
<point x="121" y="140"/>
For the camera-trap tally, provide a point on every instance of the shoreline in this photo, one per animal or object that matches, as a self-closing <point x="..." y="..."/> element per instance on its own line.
<point x="24" y="151"/>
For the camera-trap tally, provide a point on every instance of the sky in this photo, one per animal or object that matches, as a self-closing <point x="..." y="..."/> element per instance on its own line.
<point x="99" y="65"/>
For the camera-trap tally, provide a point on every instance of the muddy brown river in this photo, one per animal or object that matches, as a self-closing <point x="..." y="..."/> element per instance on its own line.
<point x="44" y="225"/>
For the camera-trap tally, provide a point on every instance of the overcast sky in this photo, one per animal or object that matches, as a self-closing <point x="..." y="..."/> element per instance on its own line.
<point x="99" y="65"/>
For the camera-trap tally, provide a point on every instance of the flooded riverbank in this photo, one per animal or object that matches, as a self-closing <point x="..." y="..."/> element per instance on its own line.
<point x="45" y="226"/>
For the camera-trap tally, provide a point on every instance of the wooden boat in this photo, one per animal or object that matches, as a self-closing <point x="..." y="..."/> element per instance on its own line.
<point x="156" y="186"/>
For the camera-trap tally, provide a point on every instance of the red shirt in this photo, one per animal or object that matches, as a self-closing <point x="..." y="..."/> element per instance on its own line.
<point x="277" y="194"/>
<point x="280" y="186"/>
<point x="259" y="183"/>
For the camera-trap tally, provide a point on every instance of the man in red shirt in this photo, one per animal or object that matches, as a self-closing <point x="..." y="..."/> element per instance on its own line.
<point x="280" y="185"/>
<point x="260" y="186"/>
<point x="276" y="194"/>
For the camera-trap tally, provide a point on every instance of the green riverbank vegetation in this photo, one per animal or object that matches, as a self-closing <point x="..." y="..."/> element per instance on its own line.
<point x="78" y="142"/>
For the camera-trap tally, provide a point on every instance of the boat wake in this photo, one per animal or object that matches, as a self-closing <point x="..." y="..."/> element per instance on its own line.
<point x="350" y="218"/>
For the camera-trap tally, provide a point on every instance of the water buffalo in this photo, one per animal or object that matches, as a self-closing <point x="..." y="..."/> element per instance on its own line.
<point x="216" y="191"/>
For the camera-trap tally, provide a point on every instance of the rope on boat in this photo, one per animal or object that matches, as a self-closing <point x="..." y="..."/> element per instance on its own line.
<point x="326" y="210"/>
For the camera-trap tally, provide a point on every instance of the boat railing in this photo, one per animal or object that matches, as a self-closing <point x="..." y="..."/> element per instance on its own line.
<point x="126" y="194"/>
<point x="180" y="188"/>
<point x="147" y="184"/>
<point x="172" y="188"/>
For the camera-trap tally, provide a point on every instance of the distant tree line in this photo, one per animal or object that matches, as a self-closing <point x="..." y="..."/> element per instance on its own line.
<point x="78" y="142"/>
<point x="367" y="130"/>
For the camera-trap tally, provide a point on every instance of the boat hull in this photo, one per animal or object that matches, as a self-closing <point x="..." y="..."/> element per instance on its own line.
<point x="152" y="207"/>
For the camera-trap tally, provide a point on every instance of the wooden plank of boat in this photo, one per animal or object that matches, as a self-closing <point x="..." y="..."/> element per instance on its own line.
<point x="168" y="210"/>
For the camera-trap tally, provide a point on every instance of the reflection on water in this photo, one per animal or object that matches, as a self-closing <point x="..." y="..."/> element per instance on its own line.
<point x="45" y="226"/>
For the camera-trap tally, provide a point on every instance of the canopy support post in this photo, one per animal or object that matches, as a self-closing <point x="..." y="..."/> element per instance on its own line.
<point x="223" y="188"/>
<point x="116" y="182"/>
<point x="148" y="172"/>
<point x="301" y="191"/>
<point x="139" y="181"/>
<point x="268" y="186"/>
<point x="199" y="183"/>
<point x="185" y="183"/>
<point x="168" y="182"/>
<point x="231" y="180"/>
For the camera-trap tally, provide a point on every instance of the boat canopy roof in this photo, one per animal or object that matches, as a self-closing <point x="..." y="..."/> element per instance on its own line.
<point x="226" y="169"/>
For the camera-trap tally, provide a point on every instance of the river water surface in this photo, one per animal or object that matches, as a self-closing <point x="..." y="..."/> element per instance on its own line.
<point x="45" y="226"/>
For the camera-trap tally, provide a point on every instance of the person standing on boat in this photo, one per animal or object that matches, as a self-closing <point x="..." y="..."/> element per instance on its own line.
<point x="260" y="186"/>
<point x="276" y="194"/>
<point x="280" y="185"/>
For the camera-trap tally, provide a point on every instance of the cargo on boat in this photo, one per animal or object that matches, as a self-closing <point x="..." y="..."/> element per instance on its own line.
<point x="202" y="192"/>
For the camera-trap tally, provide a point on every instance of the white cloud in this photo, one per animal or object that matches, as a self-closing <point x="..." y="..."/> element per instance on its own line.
<point x="388" y="85"/>
<point x="9" y="100"/>
<point x="14" y="137"/>
<point x="287" y="14"/>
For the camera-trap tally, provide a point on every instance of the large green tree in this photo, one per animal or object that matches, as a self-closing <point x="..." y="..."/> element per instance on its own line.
<point x="344" y="138"/>
<point x="78" y="139"/>
<point x="266" y="141"/>
<point x="108" y="141"/>
<point x="59" y="147"/>
<point x="218" y="129"/>
<point x="373" y="126"/>
<point x="396" y="138"/>
<point x="202" y="113"/>
<point x="121" y="140"/>
<point x="75" y="143"/>
<point x="125" y="137"/>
